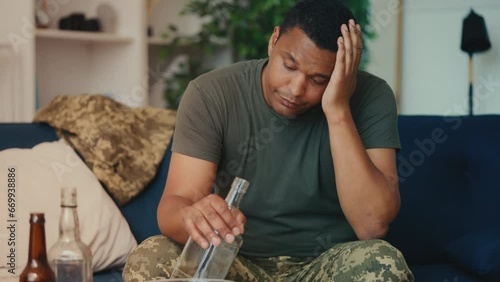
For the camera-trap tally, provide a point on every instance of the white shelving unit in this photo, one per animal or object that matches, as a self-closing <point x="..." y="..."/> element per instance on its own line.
<point x="124" y="65"/>
<point x="76" y="62"/>
<point x="56" y="62"/>
<point x="158" y="41"/>
<point x="82" y="36"/>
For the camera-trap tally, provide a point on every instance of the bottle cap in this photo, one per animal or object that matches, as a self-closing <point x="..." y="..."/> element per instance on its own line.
<point x="68" y="197"/>
<point x="38" y="217"/>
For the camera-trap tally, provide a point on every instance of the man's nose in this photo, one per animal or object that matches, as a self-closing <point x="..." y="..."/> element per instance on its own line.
<point x="297" y="85"/>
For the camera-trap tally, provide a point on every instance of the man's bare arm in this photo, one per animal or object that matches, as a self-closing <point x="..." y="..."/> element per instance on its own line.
<point x="366" y="180"/>
<point x="187" y="207"/>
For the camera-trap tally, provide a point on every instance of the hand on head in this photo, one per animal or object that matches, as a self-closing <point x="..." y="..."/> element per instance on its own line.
<point x="343" y="80"/>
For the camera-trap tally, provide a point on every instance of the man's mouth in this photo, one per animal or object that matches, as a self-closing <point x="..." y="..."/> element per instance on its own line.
<point x="287" y="103"/>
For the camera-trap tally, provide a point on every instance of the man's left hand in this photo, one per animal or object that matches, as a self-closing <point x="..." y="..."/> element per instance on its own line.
<point x="343" y="80"/>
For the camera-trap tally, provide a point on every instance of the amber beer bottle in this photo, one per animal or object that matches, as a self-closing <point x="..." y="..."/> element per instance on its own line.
<point x="38" y="268"/>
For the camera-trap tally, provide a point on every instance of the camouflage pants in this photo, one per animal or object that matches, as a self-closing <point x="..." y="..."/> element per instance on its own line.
<point x="371" y="260"/>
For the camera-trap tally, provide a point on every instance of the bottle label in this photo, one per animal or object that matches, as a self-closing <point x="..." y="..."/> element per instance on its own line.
<point x="69" y="271"/>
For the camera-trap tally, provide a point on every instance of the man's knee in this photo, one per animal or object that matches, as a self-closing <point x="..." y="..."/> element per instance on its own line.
<point x="154" y="258"/>
<point x="377" y="260"/>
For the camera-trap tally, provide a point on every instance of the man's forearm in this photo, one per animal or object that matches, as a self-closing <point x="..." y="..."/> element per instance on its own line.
<point x="368" y="198"/>
<point x="170" y="218"/>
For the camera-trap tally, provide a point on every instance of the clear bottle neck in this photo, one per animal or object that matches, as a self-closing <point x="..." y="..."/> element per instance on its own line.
<point x="68" y="224"/>
<point x="238" y="189"/>
<point x="68" y="221"/>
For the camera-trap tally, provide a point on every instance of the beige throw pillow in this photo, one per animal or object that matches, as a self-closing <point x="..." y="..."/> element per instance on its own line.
<point x="40" y="172"/>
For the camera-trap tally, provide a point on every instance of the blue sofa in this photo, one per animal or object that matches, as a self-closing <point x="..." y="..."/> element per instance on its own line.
<point x="449" y="173"/>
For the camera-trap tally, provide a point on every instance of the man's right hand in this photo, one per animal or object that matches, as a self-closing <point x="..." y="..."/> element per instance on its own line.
<point x="210" y="215"/>
<point x="188" y="207"/>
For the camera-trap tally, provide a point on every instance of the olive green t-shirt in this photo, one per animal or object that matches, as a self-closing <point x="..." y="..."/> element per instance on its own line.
<point x="291" y="205"/>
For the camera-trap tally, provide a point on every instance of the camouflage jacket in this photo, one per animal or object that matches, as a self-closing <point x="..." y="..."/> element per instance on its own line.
<point x="123" y="146"/>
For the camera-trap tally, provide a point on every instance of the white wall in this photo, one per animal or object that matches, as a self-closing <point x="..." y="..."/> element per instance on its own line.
<point x="435" y="70"/>
<point x="17" y="97"/>
<point x="383" y="47"/>
<point x="165" y="12"/>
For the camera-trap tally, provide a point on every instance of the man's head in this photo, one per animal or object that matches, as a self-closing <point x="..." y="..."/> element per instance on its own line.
<point x="320" y="20"/>
<point x="302" y="53"/>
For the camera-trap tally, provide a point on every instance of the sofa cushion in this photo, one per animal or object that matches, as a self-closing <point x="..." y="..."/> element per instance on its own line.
<point x="111" y="275"/>
<point x="448" y="170"/>
<point x="25" y="135"/>
<point x="431" y="167"/>
<point x="478" y="252"/>
<point x="441" y="273"/>
<point x="40" y="173"/>
<point x="140" y="212"/>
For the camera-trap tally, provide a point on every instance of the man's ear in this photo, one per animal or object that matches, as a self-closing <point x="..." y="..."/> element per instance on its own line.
<point x="273" y="40"/>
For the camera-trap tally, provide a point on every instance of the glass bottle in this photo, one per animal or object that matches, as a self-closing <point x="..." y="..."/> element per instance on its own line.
<point x="70" y="258"/>
<point x="38" y="268"/>
<point x="213" y="262"/>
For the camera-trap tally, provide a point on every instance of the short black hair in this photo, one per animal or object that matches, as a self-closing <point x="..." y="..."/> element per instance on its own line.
<point x="320" y="20"/>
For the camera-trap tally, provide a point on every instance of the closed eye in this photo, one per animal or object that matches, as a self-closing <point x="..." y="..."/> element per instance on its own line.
<point x="287" y="67"/>
<point x="319" y="81"/>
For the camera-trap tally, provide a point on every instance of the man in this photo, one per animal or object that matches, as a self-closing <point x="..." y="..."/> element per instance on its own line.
<point x="315" y="138"/>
